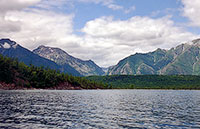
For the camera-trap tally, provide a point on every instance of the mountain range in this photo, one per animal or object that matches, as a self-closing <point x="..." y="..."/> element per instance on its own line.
<point x="183" y="59"/>
<point x="54" y="58"/>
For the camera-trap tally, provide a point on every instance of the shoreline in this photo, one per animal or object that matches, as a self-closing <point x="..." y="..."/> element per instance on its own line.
<point x="72" y="88"/>
<point x="4" y="86"/>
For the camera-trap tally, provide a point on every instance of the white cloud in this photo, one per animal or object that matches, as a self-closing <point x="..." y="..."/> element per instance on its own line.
<point x="119" y="39"/>
<point x="192" y="11"/>
<point x="6" y="5"/>
<point x="38" y="27"/>
<point x="58" y="5"/>
<point x="108" y="3"/>
<point x="33" y="27"/>
<point x="134" y="29"/>
<point x="114" y="7"/>
<point x="105" y="40"/>
<point x="105" y="2"/>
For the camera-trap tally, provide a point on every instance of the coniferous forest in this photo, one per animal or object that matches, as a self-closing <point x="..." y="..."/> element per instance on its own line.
<point x="17" y="75"/>
<point x="150" y="81"/>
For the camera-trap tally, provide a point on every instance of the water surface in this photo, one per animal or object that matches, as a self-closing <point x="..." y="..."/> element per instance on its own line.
<point x="100" y="109"/>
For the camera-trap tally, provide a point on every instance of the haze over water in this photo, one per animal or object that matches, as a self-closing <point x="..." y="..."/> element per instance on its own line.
<point x="100" y="109"/>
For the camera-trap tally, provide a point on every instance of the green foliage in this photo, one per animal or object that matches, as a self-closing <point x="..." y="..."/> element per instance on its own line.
<point x="150" y="81"/>
<point x="182" y="60"/>
<point x="12" y="71"/>
<point x="6" y="71"/>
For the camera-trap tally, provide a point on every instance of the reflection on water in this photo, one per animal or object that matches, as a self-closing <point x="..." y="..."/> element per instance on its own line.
<point x="100" y="109"/>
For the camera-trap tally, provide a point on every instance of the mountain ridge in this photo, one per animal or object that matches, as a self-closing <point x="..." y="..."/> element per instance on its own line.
<point x="59" y="56"/>
<point x="51" y="57"/>
<point x="182" y="59"/>
<point x="12" y="49"/>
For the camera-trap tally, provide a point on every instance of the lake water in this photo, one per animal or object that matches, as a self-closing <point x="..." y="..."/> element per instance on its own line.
<point x="100" y="109"/>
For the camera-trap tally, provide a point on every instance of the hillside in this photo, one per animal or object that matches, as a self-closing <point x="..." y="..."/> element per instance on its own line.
<point x="181" y="60"/>
<point x="149" y="81"/>
<point x="12" y="49"/>
<point x="17" y="75"/>
<point x="61" y="57"/>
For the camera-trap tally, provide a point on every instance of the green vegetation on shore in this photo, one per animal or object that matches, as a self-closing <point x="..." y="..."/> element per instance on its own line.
<point x="149" y="81"/>
<point x="20" y="75"/>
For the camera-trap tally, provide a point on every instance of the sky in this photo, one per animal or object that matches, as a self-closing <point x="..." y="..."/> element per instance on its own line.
<point x="104" y="31"/>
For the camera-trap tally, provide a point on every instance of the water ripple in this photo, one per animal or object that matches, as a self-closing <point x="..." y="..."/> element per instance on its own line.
<point x="100" y="109"/>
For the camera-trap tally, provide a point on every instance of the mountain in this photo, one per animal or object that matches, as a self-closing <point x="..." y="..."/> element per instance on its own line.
<point x="16" y="75"/>
<point x="105" y="69"/>
<point x="85" y="68"/>
<point x="184" y="59"/>
<point x="12" y="49"/>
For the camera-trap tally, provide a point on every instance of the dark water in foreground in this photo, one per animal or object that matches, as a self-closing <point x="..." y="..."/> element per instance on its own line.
<point x="100" y="109"/>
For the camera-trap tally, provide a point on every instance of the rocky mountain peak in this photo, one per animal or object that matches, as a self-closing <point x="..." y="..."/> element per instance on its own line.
<point x="61" y="57"/>
<point x="196" y="41"/>
<point x="11" y="49"/>
<point x="54" y="54"/>
<point x="2" y="41"/>
<point x="7" y="44"/>
<point x="45" y="50"/>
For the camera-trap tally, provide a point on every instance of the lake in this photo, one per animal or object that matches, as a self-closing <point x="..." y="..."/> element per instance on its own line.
<point x="100" y="109"/>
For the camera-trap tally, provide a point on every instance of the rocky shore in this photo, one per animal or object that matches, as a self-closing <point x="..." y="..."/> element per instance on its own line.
<point x="64" y="86"/>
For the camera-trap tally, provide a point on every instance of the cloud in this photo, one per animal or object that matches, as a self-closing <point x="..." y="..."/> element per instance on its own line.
<point x="55" y="5"/>
<point x="134" y="29"/>
<point x="104" y="40"/>
<point x="38" y="27"/>
<point x="33" y="27"/>
<point x="111" y="5"/>
<point x="191" y="10"/>
<point x="105" y="2"/>
<point x="114" y="7"/>
<point x="108" y="3"/>
<point x="8" y="25"/>
<point x="15" y="4"/>
<point x="138" y="34"/>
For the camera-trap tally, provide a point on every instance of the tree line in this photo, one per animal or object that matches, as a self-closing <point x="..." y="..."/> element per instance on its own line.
<point x="150" y="81"/>
<point x="15" y="72"/>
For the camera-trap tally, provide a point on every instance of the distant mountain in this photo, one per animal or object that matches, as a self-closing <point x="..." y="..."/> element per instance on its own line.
<point x="12" y="49"/>
<point x="184" y="59"/>
<point x="61" y="57"/>
<point x="105" y="69"/>
<point x="15" y="75"/>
